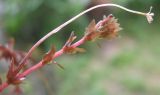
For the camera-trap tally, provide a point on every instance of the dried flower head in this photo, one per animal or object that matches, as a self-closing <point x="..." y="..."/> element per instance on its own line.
<point x="150" y="15"/>
<point x="107" y="28"/>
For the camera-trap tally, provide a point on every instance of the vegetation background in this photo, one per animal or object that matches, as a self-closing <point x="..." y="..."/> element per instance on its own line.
<point x="128" y="65"/>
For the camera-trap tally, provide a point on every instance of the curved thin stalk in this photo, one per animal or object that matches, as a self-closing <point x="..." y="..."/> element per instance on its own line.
<point x="22" y="62"/>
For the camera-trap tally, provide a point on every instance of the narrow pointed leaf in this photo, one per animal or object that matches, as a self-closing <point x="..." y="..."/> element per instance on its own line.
<point x="48" y="57"/>
<point x="70" y="39"/>
<point x="59" y="65"/>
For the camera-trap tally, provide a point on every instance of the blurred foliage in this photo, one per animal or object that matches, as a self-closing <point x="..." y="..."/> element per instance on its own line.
<point x="22" y="19"/>
<point x="132" y="70"/>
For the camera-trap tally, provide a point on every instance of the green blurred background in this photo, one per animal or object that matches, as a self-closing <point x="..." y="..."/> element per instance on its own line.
<point x="128" y="65"/>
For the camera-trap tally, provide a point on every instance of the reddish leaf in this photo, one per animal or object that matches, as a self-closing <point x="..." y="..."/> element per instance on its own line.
<point x="48" y="57"/>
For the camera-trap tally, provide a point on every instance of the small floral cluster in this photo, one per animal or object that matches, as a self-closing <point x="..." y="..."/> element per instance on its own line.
<point x="107" y="28"/>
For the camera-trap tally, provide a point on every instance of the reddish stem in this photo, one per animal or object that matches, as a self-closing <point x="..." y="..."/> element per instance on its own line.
<point x="37" y="66"/>
<point x="40" y="64"/>
<point x="60" y="52"/>
<point x="3" y="86"/>
<point x="22" y="62"/>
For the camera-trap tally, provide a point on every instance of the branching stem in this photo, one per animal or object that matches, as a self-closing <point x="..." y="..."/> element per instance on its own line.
<point x="22" y="63"/>
<point x="60" y="52"/>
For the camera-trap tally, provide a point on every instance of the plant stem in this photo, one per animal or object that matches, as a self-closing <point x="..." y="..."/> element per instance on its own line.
<point x="22" y="62"/>
<point x="40" y="64"/>
<point x="3" y="86"/>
